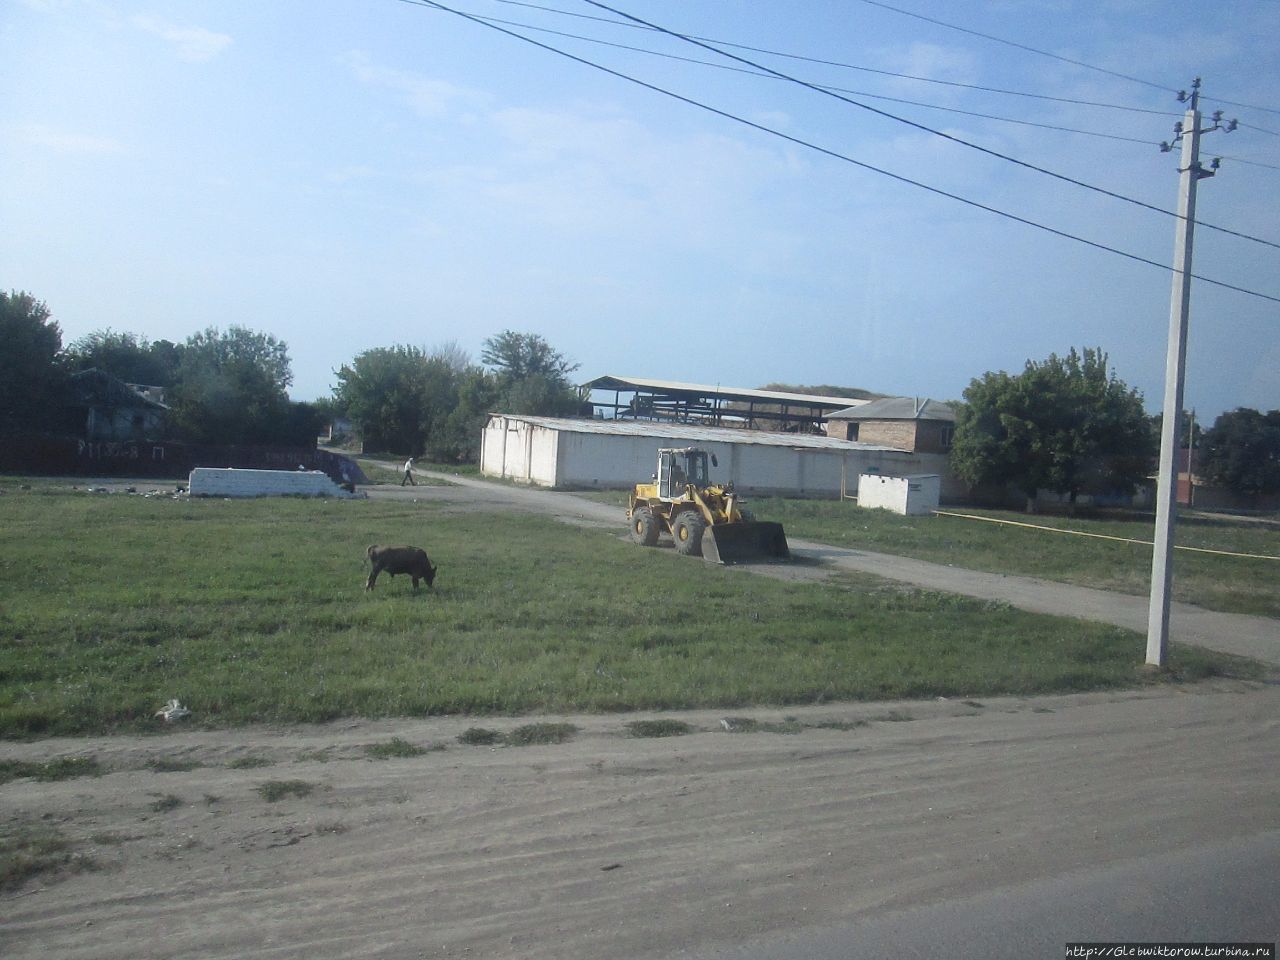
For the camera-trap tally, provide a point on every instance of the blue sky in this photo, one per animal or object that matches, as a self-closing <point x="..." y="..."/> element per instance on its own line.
<point x="347" y="175"/>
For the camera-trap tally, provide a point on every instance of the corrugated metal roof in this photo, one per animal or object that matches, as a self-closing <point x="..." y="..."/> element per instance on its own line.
<point x="896" y="408"/>
<point x="726" y="393"/>
<point x="694" y="433"/>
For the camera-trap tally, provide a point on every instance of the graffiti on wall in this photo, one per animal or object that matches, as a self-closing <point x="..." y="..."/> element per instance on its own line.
<point x="118" y="450"/>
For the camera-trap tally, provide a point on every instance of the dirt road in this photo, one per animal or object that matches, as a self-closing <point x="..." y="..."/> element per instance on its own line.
<point x="611" y="846"/>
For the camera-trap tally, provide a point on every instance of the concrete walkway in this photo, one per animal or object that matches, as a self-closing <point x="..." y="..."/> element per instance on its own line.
<point x="1249" y="636"/>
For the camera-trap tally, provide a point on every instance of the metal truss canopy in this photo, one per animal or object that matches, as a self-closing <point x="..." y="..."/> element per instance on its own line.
<point x="670" y="401"/>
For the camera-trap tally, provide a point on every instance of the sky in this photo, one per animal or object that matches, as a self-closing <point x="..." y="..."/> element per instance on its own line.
<point x="354" y="174"/>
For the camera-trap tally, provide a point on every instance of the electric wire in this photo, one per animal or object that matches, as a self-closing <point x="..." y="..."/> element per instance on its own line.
<point x="1020" y="46"/>
<point x="1054" y="56"/>
<point x="826" y="151"/>
<point x="932" y="130"/>
<point x="1252" y="163"/>
<point x="1075" y="101"/>
<point x="824" y="86"/>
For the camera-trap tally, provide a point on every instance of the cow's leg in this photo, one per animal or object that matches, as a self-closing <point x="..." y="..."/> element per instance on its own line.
<point x="415" y="580"/>
<point x="373" y="578"/>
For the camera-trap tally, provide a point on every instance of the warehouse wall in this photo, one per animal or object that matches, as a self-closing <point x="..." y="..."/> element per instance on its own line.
<point x="553" y="456"/>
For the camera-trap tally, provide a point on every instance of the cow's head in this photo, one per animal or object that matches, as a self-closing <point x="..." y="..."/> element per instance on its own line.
<point x="430" y="576"/>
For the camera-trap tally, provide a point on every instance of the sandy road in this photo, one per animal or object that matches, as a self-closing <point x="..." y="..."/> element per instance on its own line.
<point x="613" y="846"/>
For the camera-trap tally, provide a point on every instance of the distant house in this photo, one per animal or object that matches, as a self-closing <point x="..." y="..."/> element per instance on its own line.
<point x="108" y="409"/>
<point x="904" y="423"/>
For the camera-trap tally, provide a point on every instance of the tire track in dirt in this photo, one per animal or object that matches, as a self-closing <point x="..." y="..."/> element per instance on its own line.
<point x="712" y="838"/>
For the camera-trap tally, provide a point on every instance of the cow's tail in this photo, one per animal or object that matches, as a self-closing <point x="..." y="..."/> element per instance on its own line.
<point x="369" y="552"/>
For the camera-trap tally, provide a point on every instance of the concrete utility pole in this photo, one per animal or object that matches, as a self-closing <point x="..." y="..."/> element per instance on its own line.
<point x="1188" y="131"/>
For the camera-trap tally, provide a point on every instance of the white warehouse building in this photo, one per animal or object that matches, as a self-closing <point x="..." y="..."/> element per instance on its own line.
<point x="615" y="454"/>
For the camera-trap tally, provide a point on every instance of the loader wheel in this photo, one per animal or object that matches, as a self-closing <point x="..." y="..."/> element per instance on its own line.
<point x="644" y="527"/>
<point x="687" y="533"/>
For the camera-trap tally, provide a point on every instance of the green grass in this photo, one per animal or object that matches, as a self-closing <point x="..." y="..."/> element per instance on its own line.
<point x="274" y="791"/>
<point x="255" y="611"/>
<point x="536" y="733"/>
<point x="167" y="765"/>
<point x="250" y="763"/>
<point x="28" y="851"/>
<point x="480" y="737"/>
<point x="1230" y="584"/>
<point x="658" y="728"/>
<point x="393" y="749"/>
<point x="64" y="768"/>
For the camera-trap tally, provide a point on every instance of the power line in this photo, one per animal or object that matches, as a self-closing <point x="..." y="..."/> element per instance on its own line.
<point x="1074" y="101"/>
<point x="1020" y="46"/>
<point x="1252" y="163"/>
<point x="435" y="5"/>
<point x="1054" y="56"/>
<point x="920" y="126"/>
<point x="860" y="93"/>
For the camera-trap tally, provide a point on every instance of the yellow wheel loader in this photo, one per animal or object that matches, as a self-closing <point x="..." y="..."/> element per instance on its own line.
<point x="703" y="518"/>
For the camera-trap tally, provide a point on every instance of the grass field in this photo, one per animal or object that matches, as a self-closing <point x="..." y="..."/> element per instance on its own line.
<point x="245" y="611"/>
<point x="1231" y="584"/>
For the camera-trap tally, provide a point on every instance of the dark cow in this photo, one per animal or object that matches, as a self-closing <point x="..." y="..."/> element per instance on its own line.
<point x="410" y="560"/>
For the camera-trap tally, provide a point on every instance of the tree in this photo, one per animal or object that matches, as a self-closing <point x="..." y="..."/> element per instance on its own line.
<point x="231" y="388"/>
<point x="125" y="355"/>
<point x="30" y="377"/>
<point x="399" y="396"/>
<point x="532" y="376"/>
<point x="1064" y="424"/>
<point x="459" y="441"/>
<point x="1242" y="451"/>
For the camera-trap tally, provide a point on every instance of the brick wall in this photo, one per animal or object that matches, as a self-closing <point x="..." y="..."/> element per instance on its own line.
<point x="899" y="434"/>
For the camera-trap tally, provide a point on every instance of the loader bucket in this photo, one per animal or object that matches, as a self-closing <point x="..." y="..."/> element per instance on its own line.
<point x="753" y="540"/>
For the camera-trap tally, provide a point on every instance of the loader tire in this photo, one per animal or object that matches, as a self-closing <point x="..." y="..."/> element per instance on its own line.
<point x="645" y="527"/>
<point x="687" y="533"/>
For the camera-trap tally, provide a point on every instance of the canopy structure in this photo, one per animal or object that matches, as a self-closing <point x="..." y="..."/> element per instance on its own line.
<point x="637" y="398"/>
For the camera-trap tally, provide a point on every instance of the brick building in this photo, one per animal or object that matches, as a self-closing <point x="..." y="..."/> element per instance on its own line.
<point x="904" y="423"/>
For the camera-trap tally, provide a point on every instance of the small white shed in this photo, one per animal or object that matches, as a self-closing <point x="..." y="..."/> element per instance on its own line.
<point x="911" y="496"/>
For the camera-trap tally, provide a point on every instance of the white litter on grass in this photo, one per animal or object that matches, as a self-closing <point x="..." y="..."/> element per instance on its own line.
<point x="173" y="710"/>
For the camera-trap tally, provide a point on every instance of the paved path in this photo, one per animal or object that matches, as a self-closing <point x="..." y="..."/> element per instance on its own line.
<point x="1257" y="637"/>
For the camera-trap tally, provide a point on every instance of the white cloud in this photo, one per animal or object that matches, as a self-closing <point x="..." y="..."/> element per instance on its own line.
<point x="63" y="141"/>
<point x="427" y="97"/>
<point x="192" y="44"/>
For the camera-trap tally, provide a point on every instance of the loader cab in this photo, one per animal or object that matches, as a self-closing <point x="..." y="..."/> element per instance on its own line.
<point x="676" y="468"/>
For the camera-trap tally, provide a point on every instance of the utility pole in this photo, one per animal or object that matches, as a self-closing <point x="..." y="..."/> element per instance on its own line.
<point x="1188" y="131"/>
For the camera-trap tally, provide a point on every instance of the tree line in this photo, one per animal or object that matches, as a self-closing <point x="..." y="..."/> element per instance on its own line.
<point x="1070" y="425"/>
<point x="231" y="386"/>
<point x="1066" y="424"/>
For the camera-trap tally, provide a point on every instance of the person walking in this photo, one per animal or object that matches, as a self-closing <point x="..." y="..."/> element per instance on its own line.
<point x="408" y="473"/>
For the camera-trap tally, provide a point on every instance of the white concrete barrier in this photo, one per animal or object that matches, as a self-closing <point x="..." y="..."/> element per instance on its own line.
<point x="232" y="482"/>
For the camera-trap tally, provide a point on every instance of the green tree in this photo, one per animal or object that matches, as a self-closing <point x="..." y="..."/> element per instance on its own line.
<point x="532" y="377"/>
<point x="30" y="376"/>
<point x="1241" y="451"/>
<point x="1065" y="424"/>
<point x="231" y="388"/>
<point x="400" y="396"/>
<point x="125" y="355"/>
<point x="459" y="440"/>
